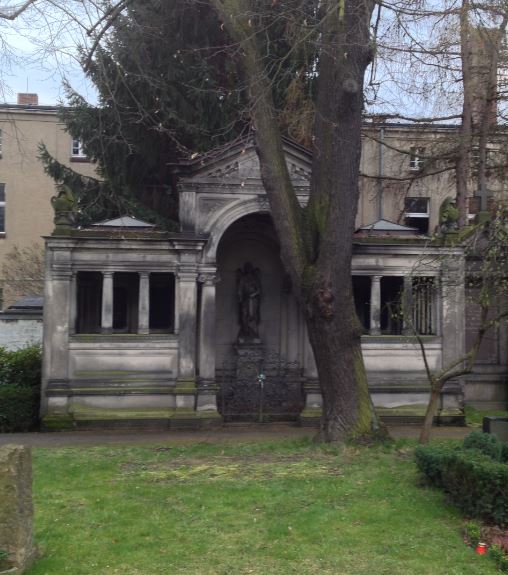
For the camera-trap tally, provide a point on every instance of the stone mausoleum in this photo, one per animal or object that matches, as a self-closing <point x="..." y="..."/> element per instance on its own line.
<point x="145" y="327"/>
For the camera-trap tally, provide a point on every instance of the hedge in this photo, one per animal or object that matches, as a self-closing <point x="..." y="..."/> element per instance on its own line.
<point x="474" y="475"/>
<point x="20" y="381"/>
<point x="19" y="408"/>
<point x="21" y="367"/>
<point x="485" y="442"/>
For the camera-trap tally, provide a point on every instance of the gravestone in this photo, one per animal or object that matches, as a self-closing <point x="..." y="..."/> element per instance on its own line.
<point x="16" y="510"/>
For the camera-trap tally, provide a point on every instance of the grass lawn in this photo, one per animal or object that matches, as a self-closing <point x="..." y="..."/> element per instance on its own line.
<point x="474" y="417"/>
<point x="263" y="508"/>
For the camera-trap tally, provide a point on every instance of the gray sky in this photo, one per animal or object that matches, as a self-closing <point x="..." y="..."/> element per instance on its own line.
<point x="38" y="50"/>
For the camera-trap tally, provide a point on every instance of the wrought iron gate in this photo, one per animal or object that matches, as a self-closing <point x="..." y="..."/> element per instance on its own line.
<point x="265" y="389"/>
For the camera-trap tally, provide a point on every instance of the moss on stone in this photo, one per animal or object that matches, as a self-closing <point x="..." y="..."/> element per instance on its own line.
<point x="57" y="422"/>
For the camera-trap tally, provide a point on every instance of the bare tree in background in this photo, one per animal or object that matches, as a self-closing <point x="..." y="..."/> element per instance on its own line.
<point x="23" y="273"/>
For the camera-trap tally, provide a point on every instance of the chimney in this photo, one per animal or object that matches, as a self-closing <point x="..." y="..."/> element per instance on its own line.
<point x="28" y="99"/>
<point x="485" y="43"/>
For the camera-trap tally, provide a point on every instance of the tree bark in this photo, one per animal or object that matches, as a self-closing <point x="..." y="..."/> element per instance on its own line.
<point x="435" y="394"/>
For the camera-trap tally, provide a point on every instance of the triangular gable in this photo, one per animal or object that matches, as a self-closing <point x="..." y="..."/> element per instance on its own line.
<point x="240" y="162"/>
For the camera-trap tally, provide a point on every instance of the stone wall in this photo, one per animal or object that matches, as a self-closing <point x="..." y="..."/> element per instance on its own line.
<point x="18" y="332"/>
<point x="16" y="509"/>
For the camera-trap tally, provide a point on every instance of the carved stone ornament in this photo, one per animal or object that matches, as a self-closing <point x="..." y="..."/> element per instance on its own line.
<point x="208" y="278"/>
<point x="224" y="171"/>
<point x="264" y="204"/>
<point x="63" y="206"/>
<point x="208" y="206"/>
<point x="300" y="173"/>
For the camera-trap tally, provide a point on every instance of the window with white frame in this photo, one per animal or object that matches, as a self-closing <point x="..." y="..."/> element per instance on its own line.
<point x="77" y="149"/>
<point x="416" y="158"/>
<point x="416" y="213"/>
<point x="2" y="209"/>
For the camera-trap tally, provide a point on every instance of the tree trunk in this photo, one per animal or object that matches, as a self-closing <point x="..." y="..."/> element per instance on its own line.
<point x="316" y="242"/>
<point x="463" y="163"/>
<point x="347" y="407"/>
<point x="431" y="412"/>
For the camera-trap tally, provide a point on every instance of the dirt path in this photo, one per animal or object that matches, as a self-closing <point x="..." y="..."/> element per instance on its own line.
<point x="233" y="434"/>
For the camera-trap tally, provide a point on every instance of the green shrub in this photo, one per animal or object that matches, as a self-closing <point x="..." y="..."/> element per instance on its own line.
<point x="486" y="443"/>
<point x="19" y="408"/>
<point x="474" y="482"/>
<point x="20" y="381"/>
<point x="430" y="461"/>
<point x="473" y="533"/>
<point x="499" y="557"/>
<point x="21" y="367"/>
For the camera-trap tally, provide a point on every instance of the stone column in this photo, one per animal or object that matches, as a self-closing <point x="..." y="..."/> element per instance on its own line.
<point x="375" y="305"/>
<point x="73" y="313"/>
<point x="144" y="303"/>
<point x="187" y="309"/>
<point x="207" y="395"/>
<point x="407" y="306"/>
<point x="107" y="302"/>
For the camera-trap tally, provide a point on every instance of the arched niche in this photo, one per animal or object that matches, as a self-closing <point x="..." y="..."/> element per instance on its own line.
<point x="252" y="238"/>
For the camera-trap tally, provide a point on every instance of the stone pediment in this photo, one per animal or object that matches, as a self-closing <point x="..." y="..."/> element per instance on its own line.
<point x="239" y="164"/>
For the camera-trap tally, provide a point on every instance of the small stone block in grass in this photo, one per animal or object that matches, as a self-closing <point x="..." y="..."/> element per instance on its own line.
<point x="17" y="548"/>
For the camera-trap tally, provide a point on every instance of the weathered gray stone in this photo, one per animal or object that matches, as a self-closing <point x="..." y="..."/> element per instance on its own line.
<point x="16" y="509"/>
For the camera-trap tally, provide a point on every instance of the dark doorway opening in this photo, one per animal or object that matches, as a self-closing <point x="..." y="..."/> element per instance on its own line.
<point x="125" y="302"/>
<point x="361" y="292"/>
<point x="89" y="302"/>
<point x="162" y="303"/>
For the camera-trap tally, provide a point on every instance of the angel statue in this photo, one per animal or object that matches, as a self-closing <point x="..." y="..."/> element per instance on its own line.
<point x="248" y="290"/>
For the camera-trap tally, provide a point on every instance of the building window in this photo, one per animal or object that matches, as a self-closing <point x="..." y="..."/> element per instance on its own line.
<point x="2" y="208"/>
<point x="77" y="152"/>
<point x="416" y="158"/>
<point x="1" y="142"/>
<point x="416" y="214"/>
<point x="423" y="306"/>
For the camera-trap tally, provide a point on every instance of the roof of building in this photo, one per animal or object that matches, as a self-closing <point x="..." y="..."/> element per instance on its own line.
<point x="123" y="222"/>
<point x="28" y="302"/>
<point x="387" y="226"/>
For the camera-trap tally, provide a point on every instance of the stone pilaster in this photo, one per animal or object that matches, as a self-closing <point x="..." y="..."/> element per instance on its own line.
<point x="57" y="303"/>
<point x="453" y="305"/>
<point x="187" y="309"/>
<point x="144" y="303"/>
<point x="207" y="396"/>
<point x="107" y="302"/>
<point x="375" y="305"/>
<point x="453" y="327"/>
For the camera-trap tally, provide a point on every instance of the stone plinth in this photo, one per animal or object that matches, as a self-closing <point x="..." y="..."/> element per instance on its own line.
<point x="16" y="509"/>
